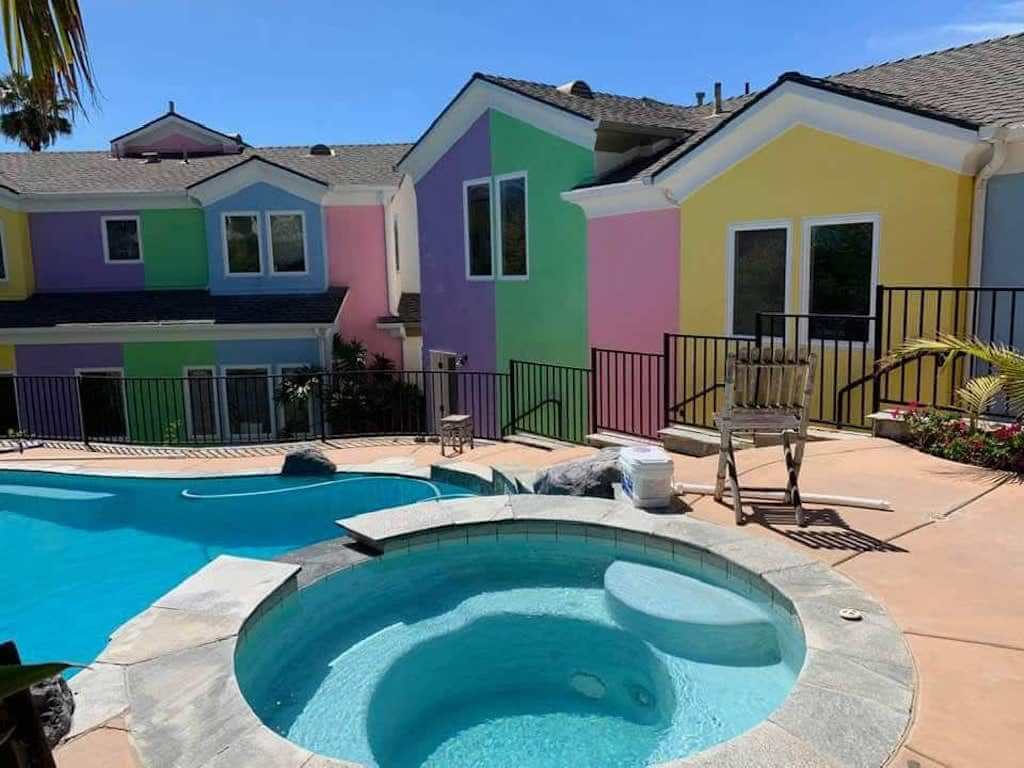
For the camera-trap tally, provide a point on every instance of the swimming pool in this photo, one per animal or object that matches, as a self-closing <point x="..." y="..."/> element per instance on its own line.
<point x="518" y="650"/>
<point x="81" y="554"/>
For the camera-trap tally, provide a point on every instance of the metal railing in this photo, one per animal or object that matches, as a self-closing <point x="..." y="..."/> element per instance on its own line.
<point x="695" y="375"/>
<point x="627" y="391"/>
<point x="549" y="400"/>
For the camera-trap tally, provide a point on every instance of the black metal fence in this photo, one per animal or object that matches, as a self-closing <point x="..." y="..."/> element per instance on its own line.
<point x="206" y="409"/>
<point x="549" y="400"/>
<point x="628" y="391"/>
<point x="695" y="380"/>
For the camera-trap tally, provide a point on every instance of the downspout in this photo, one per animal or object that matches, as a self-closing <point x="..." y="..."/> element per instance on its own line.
<point x="996" y="136"/>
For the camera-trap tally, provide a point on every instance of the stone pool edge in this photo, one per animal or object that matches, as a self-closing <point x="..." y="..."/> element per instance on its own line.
<point x="850" y="706"/>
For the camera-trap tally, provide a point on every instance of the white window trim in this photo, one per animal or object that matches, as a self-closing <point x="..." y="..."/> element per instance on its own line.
<point x="190" y="430"/>
<point x="526" y="223"/>
<point x="106" y="242"/>
<point x="3" y="254"/>
<point x="17" y="400"/>
<point x="875" y="219"/>
<point x="280" y="371"/>
<point x="270" y="244"/>
<point x="730" y="264"/>
<point x="224" y="243"/>
<point x="84" y="373"/>
<point x="465" y="224"/>
<point x="267" y="372"/>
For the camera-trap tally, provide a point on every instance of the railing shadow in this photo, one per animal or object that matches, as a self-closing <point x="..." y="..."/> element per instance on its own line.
<point x="842" y="538"/>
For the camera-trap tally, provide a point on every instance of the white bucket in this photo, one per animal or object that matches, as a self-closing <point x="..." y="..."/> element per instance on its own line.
<point x="647" y="476"/>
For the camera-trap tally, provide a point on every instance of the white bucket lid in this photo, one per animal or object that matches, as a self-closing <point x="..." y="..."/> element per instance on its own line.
<point x="644" y="454"/>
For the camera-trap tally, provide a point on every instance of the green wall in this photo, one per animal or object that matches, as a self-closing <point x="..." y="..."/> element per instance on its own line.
<point x="174" y="248"/>
<point x="544" y="318"/>
<point x="156" y="407"/>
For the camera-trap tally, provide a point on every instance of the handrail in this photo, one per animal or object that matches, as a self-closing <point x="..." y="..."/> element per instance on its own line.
<point x="703" y="393"/>
<point x="879" y="369"/>
<point x="520" y="416"/>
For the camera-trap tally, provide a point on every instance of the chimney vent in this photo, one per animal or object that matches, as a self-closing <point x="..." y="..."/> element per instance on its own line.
<point x="170" y="107"/>
<point x="578" y="88"/>
<point x="746" y="88"/>
<point x="700" y="98"/>
<point x="149" y="158"/>
<point x="718" y="97"/>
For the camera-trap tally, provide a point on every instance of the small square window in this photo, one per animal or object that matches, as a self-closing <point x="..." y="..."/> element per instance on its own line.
<point x="478" y="228"/>
<point x="242" y="243"/>
<point x="288" y="242"/>
<point x="121" y="240"/>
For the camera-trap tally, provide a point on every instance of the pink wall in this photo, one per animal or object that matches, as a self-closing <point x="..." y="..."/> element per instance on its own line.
<point x="357" y="259"/>
<point x="633" y="279"/>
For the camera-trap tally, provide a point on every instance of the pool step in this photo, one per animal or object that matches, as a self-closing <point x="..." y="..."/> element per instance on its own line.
<point x="536" y="441"/>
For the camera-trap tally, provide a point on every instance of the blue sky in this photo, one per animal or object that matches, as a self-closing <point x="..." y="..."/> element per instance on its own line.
<point x="300" y="72"/>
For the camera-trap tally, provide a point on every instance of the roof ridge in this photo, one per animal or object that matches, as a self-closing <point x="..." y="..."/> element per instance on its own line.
<point x="926" y="54"/>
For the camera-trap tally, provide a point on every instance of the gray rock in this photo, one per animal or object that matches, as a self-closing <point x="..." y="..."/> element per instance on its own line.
<point x="308" y="461"/>
<point x="592" y="476"/>
<point x="55" y="705"/>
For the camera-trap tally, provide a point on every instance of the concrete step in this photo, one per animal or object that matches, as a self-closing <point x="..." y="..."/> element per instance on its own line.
<point x="814" y="435"/>
<point x="605" y="439"/>
<point x="536" y="441"/>
<point x="694" y="441"/>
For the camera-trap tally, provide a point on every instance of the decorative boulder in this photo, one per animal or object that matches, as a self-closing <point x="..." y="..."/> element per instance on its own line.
<point x="55" y="705"/>
<point x="308" y="461"/>
<point x="593" y="476"/>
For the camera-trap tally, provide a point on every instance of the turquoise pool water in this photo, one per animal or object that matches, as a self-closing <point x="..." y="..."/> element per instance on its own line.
<point x="502" y="650"/>
<point x="79" y="555"/>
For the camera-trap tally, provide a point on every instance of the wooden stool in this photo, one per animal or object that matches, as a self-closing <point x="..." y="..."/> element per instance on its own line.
<point x="456" y="430"/>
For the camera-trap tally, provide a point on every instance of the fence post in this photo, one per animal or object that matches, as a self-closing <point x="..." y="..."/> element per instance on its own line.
<point x="876" y="381"/>
<point x="323" y="406"/>
<point x="595" y="422"/>
<point x="81" y="411"/>
<point x="758" y="328"/>
<point x="666" y="405"/>
<point x="513" y="416"/>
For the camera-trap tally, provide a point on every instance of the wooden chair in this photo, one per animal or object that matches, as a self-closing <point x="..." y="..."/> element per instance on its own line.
<point x="766" y="390"/>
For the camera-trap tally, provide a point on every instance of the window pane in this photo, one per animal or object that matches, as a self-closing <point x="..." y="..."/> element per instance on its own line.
<point x="841" y="279"/>
<point x="478" y="213"/>
<point x="248" y="402"/>
<point x="512" y="194"/>
<point x="101" y="395"/>
<point x="8" y="406"/>
<point x="123" y="240"/>
<point x="243" y="239"/>
<point x="286" y="239"/>
<point x="398" y="260"/>
<point x="3" y="262"/>
<point x="202" y="403"/>
<point x="759" y="279"/>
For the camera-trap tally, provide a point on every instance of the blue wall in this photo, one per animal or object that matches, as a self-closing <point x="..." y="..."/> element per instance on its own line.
<point x="262" y="198"/>
<point x="1002" y="263"/>
<point x="269" y="352"/>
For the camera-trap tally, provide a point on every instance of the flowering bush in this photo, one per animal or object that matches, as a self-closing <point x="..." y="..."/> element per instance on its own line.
<point x="945" y="434"/>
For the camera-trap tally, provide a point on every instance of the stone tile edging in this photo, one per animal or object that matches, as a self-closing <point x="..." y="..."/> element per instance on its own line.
<point x="850" y="705"/>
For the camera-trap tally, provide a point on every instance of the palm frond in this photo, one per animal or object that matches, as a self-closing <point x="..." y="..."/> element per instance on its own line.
<point x="978" y="394"/>
<point x="46" y="38"/>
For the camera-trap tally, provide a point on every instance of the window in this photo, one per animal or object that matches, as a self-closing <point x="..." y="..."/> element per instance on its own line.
<point x="295" y="415"/>
<point x="247" y="395"/>
<point x="758" y="274"/>
<point x="121" y="243"/>
<point x="287" y="242"/>
<point x="8" y="405"/>
<point x="394" y="234"/>
<point x="201" y="404"/>
<point x="840" y="280"/>
<point x="512" y="218"/>
<point x="477" y="212"/>
<point x="242" y="243"/>
<point x="3" y="254"/>
<point x="101" y="398"/>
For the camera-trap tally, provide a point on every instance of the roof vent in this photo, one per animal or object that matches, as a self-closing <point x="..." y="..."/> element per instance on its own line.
<point x="321" y="150"/>
<point x="577" y="88"/>
<point x="700" y="98"/>
<point x="150" y="157"/>
<point x="718" y="98"/>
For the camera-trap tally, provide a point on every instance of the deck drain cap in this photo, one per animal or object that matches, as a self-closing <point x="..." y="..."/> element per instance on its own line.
<point x="851" y="614"/>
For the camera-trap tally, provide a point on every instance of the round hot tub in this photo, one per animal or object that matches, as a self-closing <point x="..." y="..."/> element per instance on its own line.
<point x="493" y="646"/>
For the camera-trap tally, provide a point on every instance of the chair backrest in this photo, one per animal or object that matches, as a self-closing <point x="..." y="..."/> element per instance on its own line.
<point x="767" y="377"/>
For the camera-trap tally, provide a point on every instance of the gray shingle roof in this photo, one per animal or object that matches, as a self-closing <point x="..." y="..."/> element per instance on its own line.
<point x="95" y="172"/>
<point x="51" y="309"/>
<point x="408" y="311"/>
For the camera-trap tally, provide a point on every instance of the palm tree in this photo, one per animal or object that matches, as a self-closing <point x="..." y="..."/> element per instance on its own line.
<point x="46" y="38"/>
<point x="32" y="113"/>
<point x="1005" y="363"/>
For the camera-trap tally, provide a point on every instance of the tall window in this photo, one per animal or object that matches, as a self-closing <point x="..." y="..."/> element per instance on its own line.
<point x="121" y="244"/>
<point x="242" y="243"/>
<point x="3" y="254"/>
<point x="477" y="205"/>
<point x="512" y="215"/>
<point x="247" y="394"/>
<point x="841" y="267"/>
<point x="201" y="397"/>
<point x="287" y="241"/>
<point x="758" y="277"/>
<point x="394" y="235"/>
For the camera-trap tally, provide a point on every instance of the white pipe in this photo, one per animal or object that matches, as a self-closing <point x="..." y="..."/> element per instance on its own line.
<point x="996" y="136"/>
<point x="812" y="498"/>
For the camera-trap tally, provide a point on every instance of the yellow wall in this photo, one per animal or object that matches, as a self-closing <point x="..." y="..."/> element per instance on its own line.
<point x="924" y="210"/>
<point x="20" y="279"/>
<point x="6" y="357"/>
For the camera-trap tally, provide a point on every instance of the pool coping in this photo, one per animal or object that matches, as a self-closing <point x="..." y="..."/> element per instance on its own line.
<point x="170" y="670"/>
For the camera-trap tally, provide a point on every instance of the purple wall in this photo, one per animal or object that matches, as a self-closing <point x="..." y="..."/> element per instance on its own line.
<point x="50" y="406"/>
<point x="67" y="252"/>
<point x="458" y="314"/>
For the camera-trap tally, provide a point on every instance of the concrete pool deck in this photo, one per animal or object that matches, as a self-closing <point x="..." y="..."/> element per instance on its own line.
<point x="947" y="563"/>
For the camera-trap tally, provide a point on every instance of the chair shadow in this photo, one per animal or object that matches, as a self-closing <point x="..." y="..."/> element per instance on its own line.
<point x="781" y="519"/>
